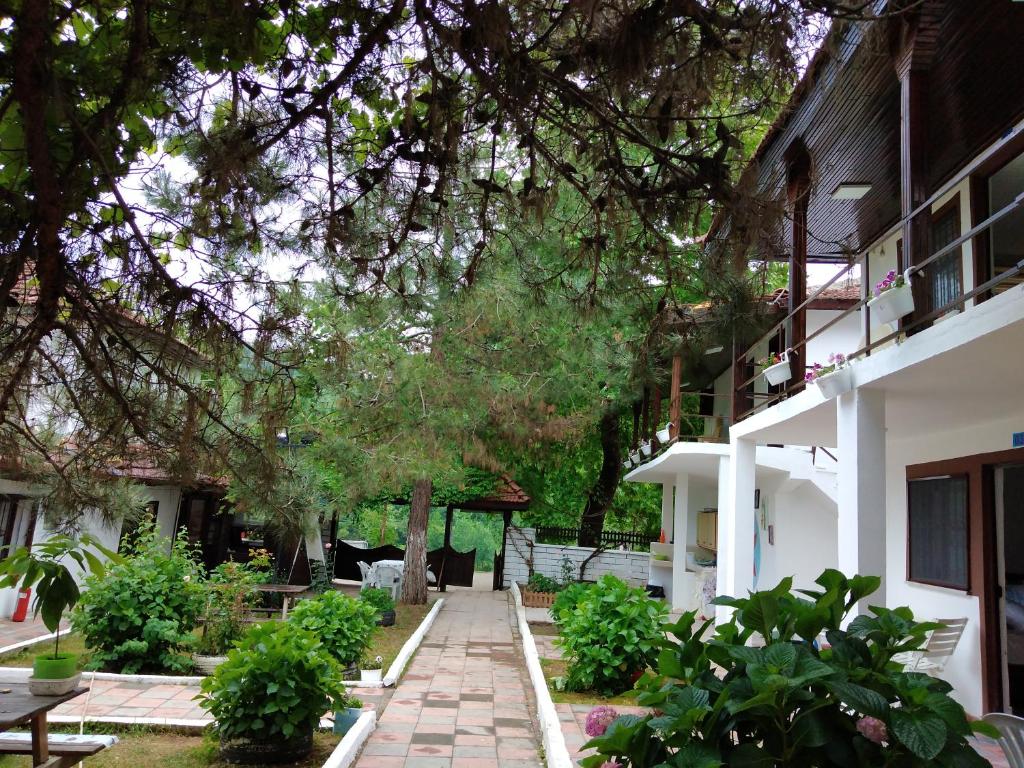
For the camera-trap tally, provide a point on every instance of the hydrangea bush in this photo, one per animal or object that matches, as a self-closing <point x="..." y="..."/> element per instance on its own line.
<point x="795" y="702"/>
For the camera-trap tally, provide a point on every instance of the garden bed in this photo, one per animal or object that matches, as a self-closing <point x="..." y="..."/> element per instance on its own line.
<point x="533" y="599"/>
<point x="163" y="749"/>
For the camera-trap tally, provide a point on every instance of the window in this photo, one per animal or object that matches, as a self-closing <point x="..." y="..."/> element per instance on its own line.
<point x="8" y="516"/>
<point x="945" y="277"/>
<point x="937" y="531"/>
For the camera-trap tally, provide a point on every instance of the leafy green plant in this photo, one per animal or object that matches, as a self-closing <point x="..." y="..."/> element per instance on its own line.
<point x="612" y="633"/>
<point x="371" y="662"/>
<point x="230" y="595"/>
<point x="380" y="599"/>
<point x="321" y="574"/>
<point x="790" y="703"/>
<point x="342" y="623"/>
<point x="278" y="681"/>
<point x="538" y="582"/>
<point x="139" y="615"/>
<point x="566" y="601"/>
<point x="43" y="568"/>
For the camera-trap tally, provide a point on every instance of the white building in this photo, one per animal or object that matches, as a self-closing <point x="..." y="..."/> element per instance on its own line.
<point x="902" y="149"/>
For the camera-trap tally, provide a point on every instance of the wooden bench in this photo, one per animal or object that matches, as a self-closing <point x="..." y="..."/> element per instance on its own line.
<point x="65" y="749"/>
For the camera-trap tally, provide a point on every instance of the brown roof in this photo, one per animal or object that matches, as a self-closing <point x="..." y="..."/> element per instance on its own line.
<point x="508" y="496"/>
<point x="843" y="294"/>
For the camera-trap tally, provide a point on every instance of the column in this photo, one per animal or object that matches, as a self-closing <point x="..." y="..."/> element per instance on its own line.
<point x="666" y="510"/>
<point x="682" y="580"/>
<point x="739" y="519"/>
<point x="721" y="575"/>
<point x="860" y="427"/>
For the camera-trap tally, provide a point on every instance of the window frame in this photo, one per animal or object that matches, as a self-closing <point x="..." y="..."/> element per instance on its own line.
<point x="950" y="209"/>
<point x="966" y="586"/>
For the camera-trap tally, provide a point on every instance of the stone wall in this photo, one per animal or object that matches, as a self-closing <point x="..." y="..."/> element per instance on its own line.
<point x="547" y="559"/>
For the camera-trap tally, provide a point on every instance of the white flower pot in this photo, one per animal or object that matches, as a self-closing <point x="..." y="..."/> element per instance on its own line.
<point x="889" y="306"/>
<point x="835" y="383"/>
<point x="645" y="449"/>
<point x="779" y="373"/>
<point x="636" y="458"/>
<point x="370" y="675"/>
<point x="627" y="464"/>
<point x="664" y="434"/>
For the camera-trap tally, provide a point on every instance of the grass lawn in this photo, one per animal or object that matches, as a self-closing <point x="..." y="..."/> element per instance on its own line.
<point x="386" y="642"/>
<point x="155" y="749"/>
<point x="556" y="668"/>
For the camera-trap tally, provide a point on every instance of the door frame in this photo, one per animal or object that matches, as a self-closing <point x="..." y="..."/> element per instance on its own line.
<point x="983" y="578"/>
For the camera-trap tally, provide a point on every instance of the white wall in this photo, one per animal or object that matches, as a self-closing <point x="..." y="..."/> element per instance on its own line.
<point x="845" y="336"/>
<point x="805" y="537"/>
<point x="964" y="668"/>
<point x="168" y="500"/>
<point x="547" y="560"/>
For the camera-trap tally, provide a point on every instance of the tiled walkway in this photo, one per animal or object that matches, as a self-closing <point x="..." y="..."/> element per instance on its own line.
<point x="465" y="701"/>
<point x="14" y="632"/>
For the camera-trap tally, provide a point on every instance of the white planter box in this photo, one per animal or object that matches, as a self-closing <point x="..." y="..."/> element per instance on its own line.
<point x="370" y="675"/>
<point x="835" y="383"/>
<point x="779" y="373"/>
<point x="891" y="305"/>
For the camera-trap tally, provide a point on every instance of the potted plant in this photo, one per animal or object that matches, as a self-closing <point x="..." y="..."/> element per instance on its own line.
<point x="342" y="623"/>
<point x="230" y="597"/>
<point x="382" y="602"/>
<point x="347" y="713"/>
<point x="893" y="298"/>
<point x="776" y="368"/>
<point x="45" y="567"/>
<point x="371" y="669"/>
<point x="270" y="694"/>
<point x="833" y="379"/>
<point x="664" y="434"/>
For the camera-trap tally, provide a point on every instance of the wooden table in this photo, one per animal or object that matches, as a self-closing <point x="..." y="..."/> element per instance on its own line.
<point x="19" y="707"/>
<point x="286" y="590"/>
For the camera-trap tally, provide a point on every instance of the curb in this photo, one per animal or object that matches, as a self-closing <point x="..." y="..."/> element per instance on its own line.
<point x="402" y="659"/>
<point x="348" y="748"/>
<point x="22" y="674"/>
<point x="556" y="754"/>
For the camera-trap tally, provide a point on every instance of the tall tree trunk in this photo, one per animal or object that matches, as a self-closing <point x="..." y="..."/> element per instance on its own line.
<point x="414" y="579"/>
<point x="600" y="496"/>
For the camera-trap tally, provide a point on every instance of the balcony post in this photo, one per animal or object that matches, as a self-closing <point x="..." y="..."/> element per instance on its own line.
<point x="798" y="192"/>
<point x="676" y="396"/>
<point x="667" y="521"/>
<point x="736" y="525"/>
<point x="860" y="429"/>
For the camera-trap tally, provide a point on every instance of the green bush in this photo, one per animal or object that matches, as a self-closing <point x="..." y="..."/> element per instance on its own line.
<point x="538" y="582"/>
<point x="278" y="681"/>
<point x="790" y="704"/>
<point x="613" y="633"/>
<point x="230" y="596"/>
<point x="342" y="623"/>
<point x="139" y="615"/>
<point x="567" y="600"/>
<point x="380" y="599"/>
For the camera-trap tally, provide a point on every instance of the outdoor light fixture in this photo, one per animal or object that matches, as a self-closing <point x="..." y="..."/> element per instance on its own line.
<point x="713" y="350"/>
<point x="851" y="191"/>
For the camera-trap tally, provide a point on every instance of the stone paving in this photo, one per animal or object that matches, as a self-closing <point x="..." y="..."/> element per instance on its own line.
<point x="465" y="701"/>
<point x="14" y="632"/>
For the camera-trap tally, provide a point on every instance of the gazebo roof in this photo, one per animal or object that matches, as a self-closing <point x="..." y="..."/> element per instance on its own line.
<point x="507" y="497"/>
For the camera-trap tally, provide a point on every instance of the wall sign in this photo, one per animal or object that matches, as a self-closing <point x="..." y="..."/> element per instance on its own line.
<point x="1018" y="439"/>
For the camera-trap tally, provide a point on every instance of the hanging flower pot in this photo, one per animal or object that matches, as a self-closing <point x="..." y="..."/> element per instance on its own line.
<point x="628" y="463"/>
<point x="776" y="368"/>
<point x="833" y="379"/>
<point x="636" y="458"/>
<point x="893" y="298"/>
<point x="664" y="434"/>
<point x="645" y="448"/>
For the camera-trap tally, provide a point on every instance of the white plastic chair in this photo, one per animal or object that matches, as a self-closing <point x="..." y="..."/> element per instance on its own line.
<point x="931" y="658"/>
<point x="1011" y="740"/>
<point x="364" y="568"/>
<point x="389" y="577"/>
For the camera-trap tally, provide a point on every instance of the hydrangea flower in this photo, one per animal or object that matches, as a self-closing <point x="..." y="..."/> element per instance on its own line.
<point x="599" y="719"/>
<point x="611" y="764"/>
<point x="873" y="729"/>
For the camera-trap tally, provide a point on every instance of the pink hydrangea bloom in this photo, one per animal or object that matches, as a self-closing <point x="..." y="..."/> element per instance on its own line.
<point x="611" y="764"/>
<point x="599" y="719"/>
<point x="873" y="729"/>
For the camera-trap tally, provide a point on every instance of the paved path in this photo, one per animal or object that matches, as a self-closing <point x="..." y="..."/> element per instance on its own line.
<point x="14" y="632"/>
<point x="465" y="701"/>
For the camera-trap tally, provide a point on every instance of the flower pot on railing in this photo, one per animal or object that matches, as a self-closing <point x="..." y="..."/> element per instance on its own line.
<point x="836" y="383"/>
<point x="645" y="448"/>
<point x="664" y="434"/>
<point x="895" y="300"/>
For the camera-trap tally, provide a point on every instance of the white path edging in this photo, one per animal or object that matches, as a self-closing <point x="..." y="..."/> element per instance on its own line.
<point x="555" y="752"/>
<point x="33" y="641"/>
<point x="348" y="748"/>
<point x="21" y="675"/>
<point x="398" y="665"/>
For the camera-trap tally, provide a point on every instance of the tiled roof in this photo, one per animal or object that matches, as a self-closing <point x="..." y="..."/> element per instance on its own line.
<point x="509" y="495"/>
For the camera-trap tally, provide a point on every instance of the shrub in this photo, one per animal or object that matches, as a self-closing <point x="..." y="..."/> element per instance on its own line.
<point x="380" y="599"/>
<point x="567" y="600"/>
<point x="342" y="623"/>
<point x="789" y="704"/>
<point x="611" y="634"/>
<point x="538" y="582"/>
<point x="140" y="614"/>
<point x="278" y="681"/>
<point x="230" y="595"/>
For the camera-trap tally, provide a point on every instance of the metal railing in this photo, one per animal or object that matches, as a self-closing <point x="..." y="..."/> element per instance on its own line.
<point x="765" y="400"/>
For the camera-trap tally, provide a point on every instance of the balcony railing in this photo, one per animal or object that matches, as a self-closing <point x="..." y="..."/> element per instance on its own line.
<point x="910" y="324"/>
